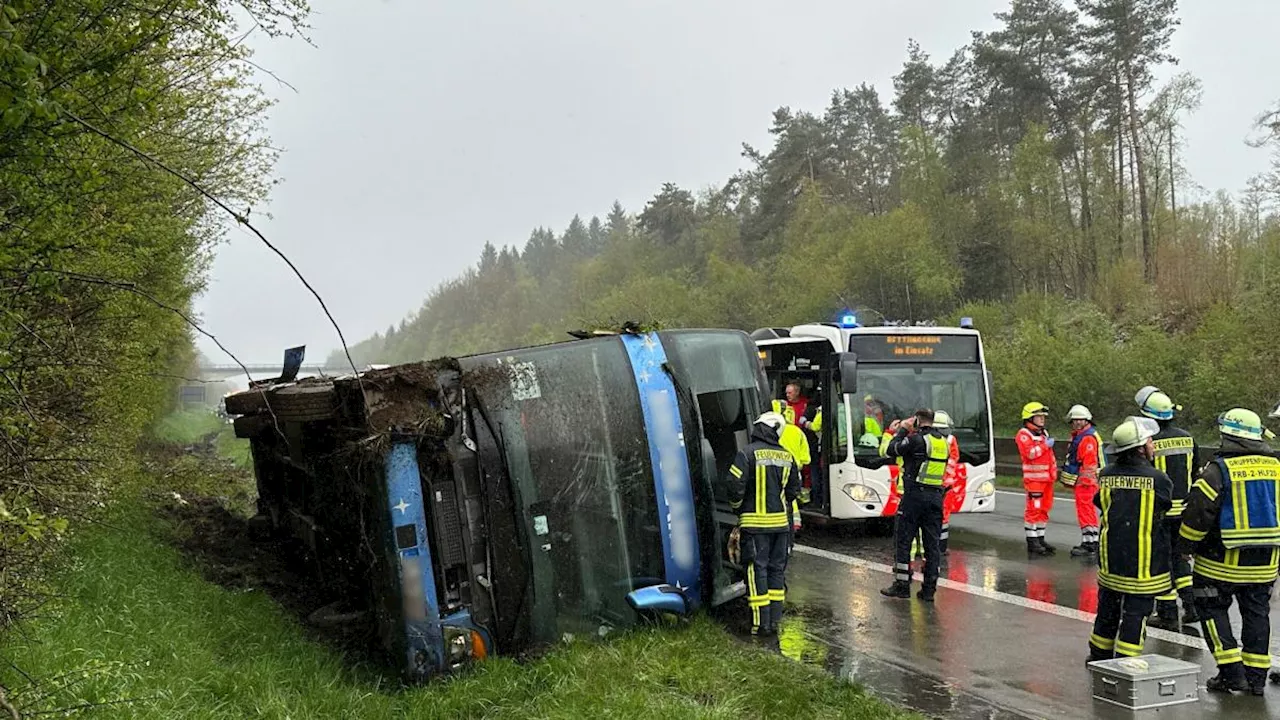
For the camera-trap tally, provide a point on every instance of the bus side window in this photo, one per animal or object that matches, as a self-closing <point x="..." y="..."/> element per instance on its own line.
<point x="725" y="430"/>
<point x="835" y="414"/>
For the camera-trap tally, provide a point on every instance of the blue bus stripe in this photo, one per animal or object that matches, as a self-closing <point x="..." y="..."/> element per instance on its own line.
<point x="414" y="565"/>
<point x="661" y="407"/>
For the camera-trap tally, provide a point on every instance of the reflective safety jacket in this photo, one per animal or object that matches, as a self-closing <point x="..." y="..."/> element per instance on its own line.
<point x="764" y="480"/>
<point x="871" y="426"/>
<point x="1176" y="456"/>
<point x="794" y="441"/>
<point x="1134" y="556"/>
<point x="1083" y="459"/>
<point x="1231" y="521"/>
<point x="924" y="455"/>
<point x="786" y="410"/>
<point x="1039" y="467"/>
<point x="956" y="472"/>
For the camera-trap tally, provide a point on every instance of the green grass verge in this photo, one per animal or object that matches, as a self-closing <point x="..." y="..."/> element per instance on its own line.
<point x="136" y="623"/>
<point x="234" y="448"/>
<point x="189" y="427"/>
<point x="1009" y="482"/>
<point x="185" y="427"/>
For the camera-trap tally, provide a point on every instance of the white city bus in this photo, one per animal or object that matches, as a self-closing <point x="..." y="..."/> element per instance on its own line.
<point x="867" y="377"/>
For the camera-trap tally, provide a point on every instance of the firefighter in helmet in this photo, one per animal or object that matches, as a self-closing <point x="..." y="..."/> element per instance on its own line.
<point x="1176" y="456"/>
<point x="1231" y="526"/>
<point x="1133" y="557"/>
<point x="763" y="482"/>
<point x="1039" y="469"/>
<point x="1080" y="473"/>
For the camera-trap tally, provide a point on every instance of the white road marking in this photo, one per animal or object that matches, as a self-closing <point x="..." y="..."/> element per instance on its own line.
<point x="1060" y="611"/>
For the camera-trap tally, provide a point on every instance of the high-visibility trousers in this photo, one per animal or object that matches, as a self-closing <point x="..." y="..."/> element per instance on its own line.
<point x="1039" y="503"/>
<point x="1086" y="513"/>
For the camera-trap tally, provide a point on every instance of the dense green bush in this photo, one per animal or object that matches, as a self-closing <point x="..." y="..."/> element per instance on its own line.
<point x="100" y="249"/>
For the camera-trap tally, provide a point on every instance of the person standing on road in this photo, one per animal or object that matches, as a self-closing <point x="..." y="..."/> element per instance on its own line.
<point x="1176" y="457"/>
<point x="924" y="452"/>
<point x="762" y="504"/>
<point x="1232" y="526"/>
<point x="1084" y="459"/>
<point x="1038" y="472"/>
<point x="1133" y="554"/>
<point x="953" y="482"/>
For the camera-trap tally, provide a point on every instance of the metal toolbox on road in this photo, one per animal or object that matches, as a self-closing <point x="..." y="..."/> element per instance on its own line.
<point x="1145" y="682"/>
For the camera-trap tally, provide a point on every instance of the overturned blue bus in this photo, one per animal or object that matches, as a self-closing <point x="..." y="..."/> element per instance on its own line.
<point x="496" y="503"/>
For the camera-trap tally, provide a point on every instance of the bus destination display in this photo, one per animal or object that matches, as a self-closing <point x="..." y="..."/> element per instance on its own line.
<point x="914" y="348"/>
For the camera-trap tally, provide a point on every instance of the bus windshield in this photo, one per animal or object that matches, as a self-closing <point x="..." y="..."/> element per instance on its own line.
<point x="582" y="480"/>
<point x="894" y="391"/>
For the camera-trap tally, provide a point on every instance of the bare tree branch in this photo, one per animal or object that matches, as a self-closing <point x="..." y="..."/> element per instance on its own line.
<point x="7" y="706"/>
<point x="240" y="219"/>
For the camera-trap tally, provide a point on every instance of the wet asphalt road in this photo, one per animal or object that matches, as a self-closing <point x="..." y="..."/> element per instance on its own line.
<point x="1006" y="638"/>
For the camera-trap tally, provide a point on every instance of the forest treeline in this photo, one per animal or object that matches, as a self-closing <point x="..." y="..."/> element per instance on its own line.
<point x="1032" y="180"/>
<point x="101" y="250"/>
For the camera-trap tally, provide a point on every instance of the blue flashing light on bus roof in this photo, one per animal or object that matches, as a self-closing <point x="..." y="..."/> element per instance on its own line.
<point x="848" y="320"/>
<point x="966" y="322"/>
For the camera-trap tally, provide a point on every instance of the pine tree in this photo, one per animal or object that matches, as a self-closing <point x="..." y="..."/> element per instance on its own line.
<point x="1131" y="38"/>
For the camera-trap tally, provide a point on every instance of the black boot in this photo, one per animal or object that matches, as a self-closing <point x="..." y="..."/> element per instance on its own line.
<point x="1048" y="549"/>
<point x="1084" y="549"/>
<point x="1228" y="680"/>
<point x="1257" y="680"/>
<point x="899" y="589"/>
<point x="1036" y="548"/>
<point x="926" y="593"/>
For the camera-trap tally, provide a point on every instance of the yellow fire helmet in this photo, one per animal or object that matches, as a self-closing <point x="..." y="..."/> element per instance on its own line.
<point x="1032" y="409"/>
<point x="1241" y="423"/>
<point x="1155" y="403"/>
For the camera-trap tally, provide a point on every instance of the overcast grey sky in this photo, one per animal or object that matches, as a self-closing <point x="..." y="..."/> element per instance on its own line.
<point x="423" y="128"/>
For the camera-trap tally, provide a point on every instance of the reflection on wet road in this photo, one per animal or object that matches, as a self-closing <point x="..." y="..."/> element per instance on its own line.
<point x="1006" y="638"/>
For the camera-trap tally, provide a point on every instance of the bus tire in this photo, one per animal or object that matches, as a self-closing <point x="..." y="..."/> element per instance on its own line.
<point x="246" y="403"/>
<point x="304" y="402"/>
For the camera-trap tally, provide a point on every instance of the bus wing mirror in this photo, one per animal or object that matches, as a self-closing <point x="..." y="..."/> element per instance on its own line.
<point x="658" y="599"/>
<point x="848" y="372"/>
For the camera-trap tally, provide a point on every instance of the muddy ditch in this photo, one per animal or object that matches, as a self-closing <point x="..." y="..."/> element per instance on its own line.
<point x="204" y="510"/>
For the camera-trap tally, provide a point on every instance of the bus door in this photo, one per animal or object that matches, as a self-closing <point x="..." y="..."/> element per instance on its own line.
<point x="811" y="364"/>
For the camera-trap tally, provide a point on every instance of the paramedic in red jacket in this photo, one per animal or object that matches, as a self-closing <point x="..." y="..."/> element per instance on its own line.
<point x="1039" y="470"/>
<point x="1084" y="460"/>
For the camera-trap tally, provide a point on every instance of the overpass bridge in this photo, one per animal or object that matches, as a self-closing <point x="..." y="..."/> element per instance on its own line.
<point x="262" y="371"/>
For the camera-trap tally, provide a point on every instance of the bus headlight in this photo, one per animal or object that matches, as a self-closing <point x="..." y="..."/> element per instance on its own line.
<point x="985" y="489"/>
<point x="861" y="493"/>
<point x="463" y="644"/>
